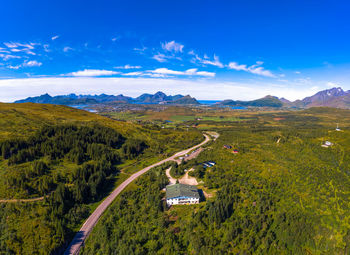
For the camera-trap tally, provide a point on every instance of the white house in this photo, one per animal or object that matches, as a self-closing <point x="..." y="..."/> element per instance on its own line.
<point x="179" y="194"/>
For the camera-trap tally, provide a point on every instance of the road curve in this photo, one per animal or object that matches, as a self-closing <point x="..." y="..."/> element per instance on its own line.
<point x="78" y="240"/>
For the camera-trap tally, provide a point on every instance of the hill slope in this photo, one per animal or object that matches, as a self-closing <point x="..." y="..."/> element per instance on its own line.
<point x="268" y="101"/>
<point x="19" y="120"/>
<point x="73" y="158"/>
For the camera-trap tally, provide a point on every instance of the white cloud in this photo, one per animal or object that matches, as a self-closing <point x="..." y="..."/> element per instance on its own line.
<point x="165" y="73"/>
<point x="237" y="67"/>
<point x="206" y="60"/>
<point x="140" y="50"/>
<point x="6" y="57"/>
<point x="114" y="39"/>
<point x="31" y="63"/>
<point x="191" y="52"/>
<point x="30" y="52"/>
<point x="133" y="74"/>
<point x="15" y="50"/>
<point x="92" y="72"/>
<point x="172" y="46"/>
<point x="128" y="67"/>
<point x="170" y="52"/>
<point x="255" y="69"/>
<point x="55" y="37"/>
<point x="215" y="62"/>
<point x="14" y="67"/>
<point x="297" y="72"/>
<point x="67" y="48"/>
<point x="4" y="50"/>
<point x="205" y="73"/>
<point x="160" y="57"/>
<point x="11" y="45"/>
<point x="189" y="72"/>
<point x="164" y="58"/>
<point x="21" y="47"/>
<point x="260" y="71"/>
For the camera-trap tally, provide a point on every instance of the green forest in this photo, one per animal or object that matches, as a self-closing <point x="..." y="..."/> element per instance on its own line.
<point x="281" y="194"/>
<point x="55" y="173"/>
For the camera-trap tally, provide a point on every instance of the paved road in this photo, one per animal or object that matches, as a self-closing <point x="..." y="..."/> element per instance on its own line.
<point x="75" y="246"/>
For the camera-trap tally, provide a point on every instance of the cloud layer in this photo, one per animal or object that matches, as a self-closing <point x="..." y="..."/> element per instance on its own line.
<point x="92" y="73"/>
<point x="254" y="69"/>
<point x="14" y="89"/>
<point x="172" y="46"/>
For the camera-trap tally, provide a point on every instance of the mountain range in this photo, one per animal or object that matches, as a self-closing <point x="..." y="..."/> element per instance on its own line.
<point x="73" y="99"/>
<point x="334" y="97"/>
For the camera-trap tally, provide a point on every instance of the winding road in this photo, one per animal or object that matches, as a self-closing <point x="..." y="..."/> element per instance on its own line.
<point x="78" y="240"/>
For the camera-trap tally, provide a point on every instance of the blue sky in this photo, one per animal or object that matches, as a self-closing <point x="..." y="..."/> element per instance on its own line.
<point x="209" y="49"/>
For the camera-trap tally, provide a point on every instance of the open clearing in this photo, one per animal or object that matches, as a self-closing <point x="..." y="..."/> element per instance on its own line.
<point x="189" y="180"/>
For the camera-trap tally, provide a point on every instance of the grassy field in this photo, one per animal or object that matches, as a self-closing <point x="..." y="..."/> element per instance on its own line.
<point x="170" y="116"/>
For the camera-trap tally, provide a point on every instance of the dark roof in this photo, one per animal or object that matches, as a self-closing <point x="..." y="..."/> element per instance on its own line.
<point x="181" y="190"/>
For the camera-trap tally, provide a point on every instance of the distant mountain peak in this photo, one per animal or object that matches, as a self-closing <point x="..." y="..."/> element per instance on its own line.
<point x="333" y="92"/>
<point x="160" y="93"/>
<point x="324" y="97"/>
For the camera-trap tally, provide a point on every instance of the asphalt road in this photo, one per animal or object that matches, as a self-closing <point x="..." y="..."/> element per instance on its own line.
<point x="78" y="240"/>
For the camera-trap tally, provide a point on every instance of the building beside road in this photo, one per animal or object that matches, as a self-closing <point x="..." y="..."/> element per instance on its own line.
<point x="180" y="194"/>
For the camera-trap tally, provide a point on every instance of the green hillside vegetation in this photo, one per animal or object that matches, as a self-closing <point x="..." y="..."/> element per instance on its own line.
<point x="281" y="194"/>
<point x="268" y="101"/>
<point x="185" y="100"/>
<point x="20" y="120"/>
<point x="68" y="160"/>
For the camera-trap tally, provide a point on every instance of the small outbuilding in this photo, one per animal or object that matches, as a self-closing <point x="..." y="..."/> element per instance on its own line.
<point x="180" y="194"/>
